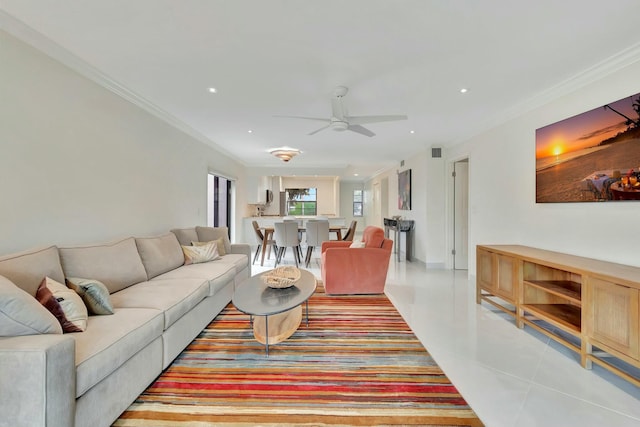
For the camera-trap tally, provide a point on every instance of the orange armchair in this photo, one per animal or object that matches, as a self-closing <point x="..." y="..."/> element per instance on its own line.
<point x="348" y="270"/>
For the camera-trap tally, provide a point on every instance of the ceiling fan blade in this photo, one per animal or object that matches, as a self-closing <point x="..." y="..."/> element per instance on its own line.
<point x="360" y="120"/>
<point x="318" y="130"/>
<point x="361" y="130"/>
<point x="318" y="119"/>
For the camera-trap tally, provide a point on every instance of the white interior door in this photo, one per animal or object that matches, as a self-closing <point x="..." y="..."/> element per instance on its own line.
<point x="461" y="215"/>
<point x="377" y="219"/>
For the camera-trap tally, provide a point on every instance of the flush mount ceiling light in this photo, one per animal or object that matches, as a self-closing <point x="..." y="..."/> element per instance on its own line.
<point x="285" y="153"/>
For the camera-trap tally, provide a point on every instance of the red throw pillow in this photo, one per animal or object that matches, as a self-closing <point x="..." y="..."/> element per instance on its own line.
<point x="46" y="298"/>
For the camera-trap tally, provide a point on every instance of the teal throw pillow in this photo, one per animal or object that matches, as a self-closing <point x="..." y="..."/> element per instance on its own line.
<point x="94" y="294"/>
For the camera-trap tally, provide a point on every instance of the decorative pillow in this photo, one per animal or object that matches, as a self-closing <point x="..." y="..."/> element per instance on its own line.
<point x="357" y="244"/>
<point x="198" y="254"/>
<point x="219" y="242"/>
<point x="207" y="234"/>
<point x="20" y="313"/>
<point x="94" y="294"/>
<point x="63" y="303"/>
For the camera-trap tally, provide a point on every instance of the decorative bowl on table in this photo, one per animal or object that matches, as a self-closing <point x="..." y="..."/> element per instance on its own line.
<point x="281" y="277"/>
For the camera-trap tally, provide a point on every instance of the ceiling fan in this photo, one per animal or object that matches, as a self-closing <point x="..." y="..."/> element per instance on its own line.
<point x="341" y="121"/>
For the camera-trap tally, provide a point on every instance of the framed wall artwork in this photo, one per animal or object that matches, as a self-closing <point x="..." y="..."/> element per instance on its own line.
<point x="404" y="190"/>
<point x="594" y="156"/>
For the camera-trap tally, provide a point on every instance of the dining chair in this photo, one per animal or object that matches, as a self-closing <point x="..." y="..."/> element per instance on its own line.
<point x="317" y="232"/>
<point x="297" y="221"/>
<point x="260" y="238"/>
<point x="286" y="235"/>
<point x="350" y="232"/>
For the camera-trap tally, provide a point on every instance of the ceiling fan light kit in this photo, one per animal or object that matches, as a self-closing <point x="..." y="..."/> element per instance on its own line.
<point x="341" y="121"/>
<point x="285" y="153"/>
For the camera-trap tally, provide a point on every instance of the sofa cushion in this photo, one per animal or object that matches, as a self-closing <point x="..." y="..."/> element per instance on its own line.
<point x="109" y="341"/>
<point x="27" y="269"/>
<point x="208" y="234"/>
<point x="117" y="264"/>
<point x="185" y="235"/>
<point x="173" y="297"/>
<point x="238" y="260"/>
<point x="159" y="254"/>
<point x="217" y="273"/>
<point x="22" y="314"/>
<point x="94" y="294"/>
<point x="64" y="304"/>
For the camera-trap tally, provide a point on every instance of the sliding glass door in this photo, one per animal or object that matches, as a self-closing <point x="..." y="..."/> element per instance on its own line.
<point x="219" y="201"/>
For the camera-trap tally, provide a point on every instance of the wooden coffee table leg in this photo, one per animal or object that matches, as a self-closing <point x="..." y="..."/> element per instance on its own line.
<point x="278" y="327"/>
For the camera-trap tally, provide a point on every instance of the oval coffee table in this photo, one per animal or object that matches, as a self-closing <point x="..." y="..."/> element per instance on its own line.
<point x="255" y="298"/>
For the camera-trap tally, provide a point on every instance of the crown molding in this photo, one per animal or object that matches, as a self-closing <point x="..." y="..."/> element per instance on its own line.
<point x="596" y="72"/>
<point x="52" y="49"/>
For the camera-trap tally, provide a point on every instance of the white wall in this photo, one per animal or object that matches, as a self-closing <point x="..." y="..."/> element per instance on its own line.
<point x="502" y="207"/>
<point x="427" y="204"/>
<point x="79" y="164"/>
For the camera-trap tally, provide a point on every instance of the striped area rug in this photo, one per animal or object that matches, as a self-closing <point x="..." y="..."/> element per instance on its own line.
<point x="356" y="364"/>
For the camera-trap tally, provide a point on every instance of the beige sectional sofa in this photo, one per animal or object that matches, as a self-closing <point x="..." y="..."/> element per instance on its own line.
<point x="89" y="378"/>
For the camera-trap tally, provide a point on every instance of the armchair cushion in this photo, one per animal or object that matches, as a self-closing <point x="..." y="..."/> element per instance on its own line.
<point x="373" y="237"/>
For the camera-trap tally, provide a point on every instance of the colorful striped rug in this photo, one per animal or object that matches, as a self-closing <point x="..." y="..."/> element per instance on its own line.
<point x="356" y="364"/>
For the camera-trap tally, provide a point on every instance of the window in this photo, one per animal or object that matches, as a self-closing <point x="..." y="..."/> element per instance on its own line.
<point x="219" y="202"/>
<point x="301" y="201"/>
<point x="357" y="203"/>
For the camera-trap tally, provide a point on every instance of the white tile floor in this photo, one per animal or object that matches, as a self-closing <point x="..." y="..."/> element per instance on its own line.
<point x="510" y="377"/>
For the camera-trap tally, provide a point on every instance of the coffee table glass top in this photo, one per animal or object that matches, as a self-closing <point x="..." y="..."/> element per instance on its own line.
<point x="254" y="297"/>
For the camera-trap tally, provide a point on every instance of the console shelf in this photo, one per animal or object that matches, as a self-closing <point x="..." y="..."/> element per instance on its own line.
<point x="566" y="317"/>
<point x="595" y="301"/>
<point x="572" y="291"/>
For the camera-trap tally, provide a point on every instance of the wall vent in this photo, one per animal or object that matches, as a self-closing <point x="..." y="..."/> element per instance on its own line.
<point x="436" y="153"/>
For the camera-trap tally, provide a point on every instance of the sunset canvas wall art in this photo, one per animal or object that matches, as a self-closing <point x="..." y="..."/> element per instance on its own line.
<point x="591" y="157"/>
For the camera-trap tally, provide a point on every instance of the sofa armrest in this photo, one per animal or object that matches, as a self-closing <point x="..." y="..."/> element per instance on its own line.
<point x="243" y="248"/>
<point x="37" y="381"/>
<point x="335" y="244"/>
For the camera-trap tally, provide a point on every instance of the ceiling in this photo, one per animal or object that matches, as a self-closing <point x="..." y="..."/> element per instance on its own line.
<point x="285" y="57"/>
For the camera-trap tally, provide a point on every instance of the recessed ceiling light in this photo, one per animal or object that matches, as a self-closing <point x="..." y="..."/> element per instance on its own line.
<point x="355" y="174"/>
<point x="464" y="90"/>
<point x="213" y="90"/>
<point x="412" y="131"/>
<point x="250" y="131"/>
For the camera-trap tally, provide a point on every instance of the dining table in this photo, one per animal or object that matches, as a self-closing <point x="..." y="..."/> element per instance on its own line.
<point x="268" y="235"/>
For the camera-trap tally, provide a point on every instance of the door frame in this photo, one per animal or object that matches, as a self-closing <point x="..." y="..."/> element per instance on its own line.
<point x="450" y="209"/>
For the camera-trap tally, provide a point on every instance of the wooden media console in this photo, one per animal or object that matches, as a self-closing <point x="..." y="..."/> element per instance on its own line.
<point x="590" y="306"/>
